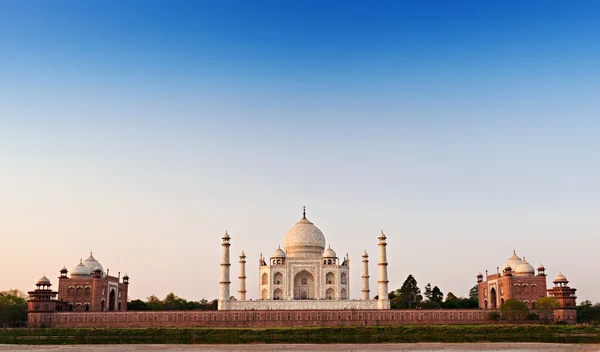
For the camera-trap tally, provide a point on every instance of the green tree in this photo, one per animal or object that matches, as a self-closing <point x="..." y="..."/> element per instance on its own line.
<point x="451" y="297"/>
<point x="474" y="293"/>
<point x="546" y="303"/>
<point x="410" y="293"/>
<point x="437" y="295"/>
<point x="514" y="310"/>
<point x="428" y="294"/>
<point x="137" y="304"/>
<point x="588" y="313"/>
<point x="13" y="308"/>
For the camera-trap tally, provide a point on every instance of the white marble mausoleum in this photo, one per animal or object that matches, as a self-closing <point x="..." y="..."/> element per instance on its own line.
<point x="303" y="275"/>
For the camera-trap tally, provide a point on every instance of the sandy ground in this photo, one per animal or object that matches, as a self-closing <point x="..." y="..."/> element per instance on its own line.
<point x="423" y="347"/>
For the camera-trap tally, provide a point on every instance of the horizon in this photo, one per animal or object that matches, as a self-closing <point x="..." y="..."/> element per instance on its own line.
<point x="144" y="132"/>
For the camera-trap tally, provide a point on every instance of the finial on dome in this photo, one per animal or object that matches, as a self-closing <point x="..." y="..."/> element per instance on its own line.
<point x="304" y="212"/>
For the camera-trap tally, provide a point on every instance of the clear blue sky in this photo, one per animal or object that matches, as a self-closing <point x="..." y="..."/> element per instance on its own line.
<point x="144" y="129"/>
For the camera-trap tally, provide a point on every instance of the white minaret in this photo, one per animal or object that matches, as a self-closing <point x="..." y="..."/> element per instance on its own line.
<point x="224" y="283"/>
<point x="242" y="278"/>
<point x="365" y="276"/>
<point x="383" y="302"/>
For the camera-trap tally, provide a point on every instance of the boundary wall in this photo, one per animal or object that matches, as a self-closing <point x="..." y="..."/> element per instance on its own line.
<point x="255" y="318"/>
<point x="301" y="304"/>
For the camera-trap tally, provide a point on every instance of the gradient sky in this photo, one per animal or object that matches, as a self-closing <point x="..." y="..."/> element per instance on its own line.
<point x="143" y="130"/>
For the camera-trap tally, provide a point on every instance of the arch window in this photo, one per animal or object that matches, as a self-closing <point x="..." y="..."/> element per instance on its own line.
<point x="329" y="294"/>
<point x="525" y="289"/>
<point x="344" y="279"/>
<point x="265" y="278"/>
<point x="329" y="279"/>
<point x="277" y="294"/>
<point x="517" y="289"/>
<point x="278" y="279"/>
<point x="102" y="305"/>
<point x="119" y="305"/>
<point x="87" y="307"/>
<point x="71" y="291"/>
<point x="87" y="291"/>
<point x="264" y="294"/>
<point x="344" y="294"/>
<point x="534" y="289"/>
<point x="79" y="292"/>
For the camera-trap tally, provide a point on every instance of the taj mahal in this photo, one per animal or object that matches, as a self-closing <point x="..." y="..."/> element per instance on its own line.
<point x="303" y="275"/>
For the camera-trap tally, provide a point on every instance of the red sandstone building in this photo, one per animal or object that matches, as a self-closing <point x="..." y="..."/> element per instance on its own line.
<point x="518" y="280"/>
<point x="87" y="288"/>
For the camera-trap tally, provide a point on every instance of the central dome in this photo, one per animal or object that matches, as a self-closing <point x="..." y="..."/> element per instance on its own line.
<point x="304" y="237"/>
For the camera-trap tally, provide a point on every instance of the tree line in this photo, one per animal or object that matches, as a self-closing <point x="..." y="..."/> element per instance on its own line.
<point x="171" y="302"/>
<point x="409" y="296"/>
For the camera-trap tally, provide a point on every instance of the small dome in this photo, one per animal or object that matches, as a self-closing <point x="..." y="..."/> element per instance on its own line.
<point x="91" y="263"/>
<point x="508" y="267"/>
<point x="365" y="254"/>
<point x="243" y="255"/>
<point x="560" y="279"/>
<point x="525" y="269"/>
<point x="329" y="253"/>
<point x="513" y="261"/>
<point x="80" y="270"/>
<point x="126" y="277"/>
<point x="279" y="253"/>
<point x="480" y="274"/>
<point x="541" y="268"/>
<point x="226" y="236"/>
<point x="64" y="269"/>
<point x="43" y="281"/>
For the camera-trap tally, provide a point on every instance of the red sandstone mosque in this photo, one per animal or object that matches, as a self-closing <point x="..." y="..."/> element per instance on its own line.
<point x="87" y="288"/>
<point x="518" y="280"/>
<point x="303" y="285"/>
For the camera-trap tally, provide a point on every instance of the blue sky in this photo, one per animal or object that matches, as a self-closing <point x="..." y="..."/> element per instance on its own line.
<point x="144" y="130"/>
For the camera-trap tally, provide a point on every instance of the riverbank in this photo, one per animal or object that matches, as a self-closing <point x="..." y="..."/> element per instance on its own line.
<point x="418" y="347"/>
<point x="321" y="335"/>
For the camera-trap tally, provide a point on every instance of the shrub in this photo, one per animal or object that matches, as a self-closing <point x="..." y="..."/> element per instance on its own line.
<point x="493" y="316"/>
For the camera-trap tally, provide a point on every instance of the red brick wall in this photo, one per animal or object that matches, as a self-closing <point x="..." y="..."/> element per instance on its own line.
<point x="264" y="318"/>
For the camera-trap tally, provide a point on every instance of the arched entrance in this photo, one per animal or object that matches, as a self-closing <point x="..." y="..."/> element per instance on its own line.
<point x="277" y="294"/>
<point x="304" y="285"/>
<point x="111" y="300"/>
<point x="493" y="298"/>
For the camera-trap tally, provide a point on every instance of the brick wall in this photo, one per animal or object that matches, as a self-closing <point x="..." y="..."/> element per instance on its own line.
<point x="249" y="318"/>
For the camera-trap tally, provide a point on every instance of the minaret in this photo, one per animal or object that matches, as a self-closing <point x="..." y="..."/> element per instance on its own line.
<point x="242" y="278"/>
<point x="224" y="283"/>
<point x="383" y="302"/>
<point x="365" y="277"/>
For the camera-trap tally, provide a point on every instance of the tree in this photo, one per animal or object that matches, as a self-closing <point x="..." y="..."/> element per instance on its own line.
<point x="171" y="302"/>
<point x="514" y="310"/>
<point x="428" y="293"/>
<point x="410" y="293"/>
<point x="451" y="297"/>
<point x="546" y="303"/>
<point x="588" y="313"/>
<point x="474" y="293"/>
<point x="13" y="308"/>
<point x="436" y="295"/>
